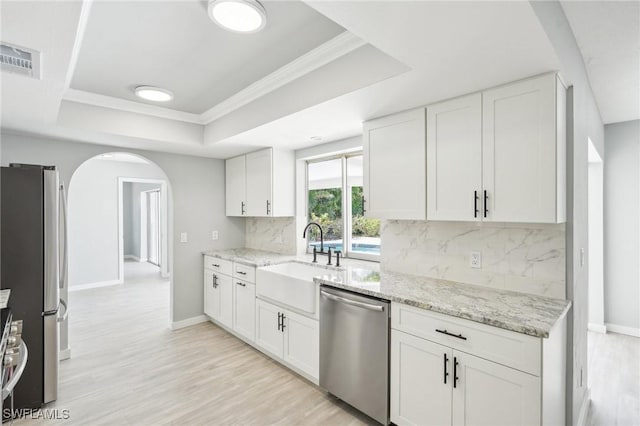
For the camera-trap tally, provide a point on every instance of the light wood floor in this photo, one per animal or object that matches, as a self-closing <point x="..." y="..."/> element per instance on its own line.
<point x="127" y="367"/>
<point x="614" y="379"/>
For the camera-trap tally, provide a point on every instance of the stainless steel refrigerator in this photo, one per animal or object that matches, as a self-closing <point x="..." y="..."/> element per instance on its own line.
<point x="32" y="231"/>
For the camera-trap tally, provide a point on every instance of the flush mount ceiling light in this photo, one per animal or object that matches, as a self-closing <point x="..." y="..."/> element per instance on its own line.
<point x="239" y="16"/>
<point x="154" y="94"/>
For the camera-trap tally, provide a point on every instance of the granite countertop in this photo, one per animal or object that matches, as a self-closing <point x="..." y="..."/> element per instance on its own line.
<point x="250" y="257"/>
<point x="510" y="310"/>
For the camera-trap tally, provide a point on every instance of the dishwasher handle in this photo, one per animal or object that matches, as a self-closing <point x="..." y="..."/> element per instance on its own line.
<point x="363" y="305"/>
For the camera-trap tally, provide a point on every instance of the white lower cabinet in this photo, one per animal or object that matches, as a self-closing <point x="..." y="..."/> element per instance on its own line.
<point x="487" y="393"/>
<point x="288" y="336"/>
<point x="420" y="392"/>
<point x="244" y="309"/>
<point x="218" y="297"/>
<point x="432" y="384"/>
<point x="269" y="335"/>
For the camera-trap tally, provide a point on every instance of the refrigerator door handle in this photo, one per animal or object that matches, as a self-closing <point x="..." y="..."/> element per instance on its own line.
<point x="63" y="237"/>
<point x="64" y="316"/>
<point x="51" y="240"/>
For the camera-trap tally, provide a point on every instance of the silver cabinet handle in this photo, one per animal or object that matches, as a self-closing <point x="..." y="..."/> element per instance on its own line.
<point x="242" y="284"/>
<point x="363" y="305"/>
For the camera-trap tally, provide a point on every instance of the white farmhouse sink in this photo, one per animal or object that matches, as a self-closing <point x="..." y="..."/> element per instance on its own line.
<point x="290" y="284"/>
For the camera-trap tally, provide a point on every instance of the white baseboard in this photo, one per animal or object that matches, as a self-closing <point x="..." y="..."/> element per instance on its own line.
<point x="94" y="285"/>
<point x="622" y="329"/>
<point x="65" y="354"/>
<point x="598" y="328"/>
<point x="584" y="409"/>
<point x="176" y="325"/>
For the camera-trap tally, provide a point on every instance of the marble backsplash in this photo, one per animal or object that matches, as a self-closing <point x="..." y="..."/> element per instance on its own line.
<point x="529" y="258"/>
<point x="271" y="234"/>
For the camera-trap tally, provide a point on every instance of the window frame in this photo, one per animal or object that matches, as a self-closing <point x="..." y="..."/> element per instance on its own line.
<point x="347" y="213"/>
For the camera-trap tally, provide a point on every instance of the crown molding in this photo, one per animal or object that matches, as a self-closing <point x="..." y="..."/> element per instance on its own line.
<point x="89" y="98"/>
<point x="325" y="53"/>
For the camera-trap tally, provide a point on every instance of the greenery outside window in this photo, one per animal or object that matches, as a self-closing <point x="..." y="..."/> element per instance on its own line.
<point x="335" y="201"/>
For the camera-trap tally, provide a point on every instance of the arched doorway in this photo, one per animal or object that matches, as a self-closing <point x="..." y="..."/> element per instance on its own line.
<point x="96" y="237"/>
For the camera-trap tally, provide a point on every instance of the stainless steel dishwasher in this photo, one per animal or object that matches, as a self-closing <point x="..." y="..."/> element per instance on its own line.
<point x="354" y="350"/>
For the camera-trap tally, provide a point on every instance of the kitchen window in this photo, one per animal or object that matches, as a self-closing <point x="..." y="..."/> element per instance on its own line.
<point x="335" y="200"/>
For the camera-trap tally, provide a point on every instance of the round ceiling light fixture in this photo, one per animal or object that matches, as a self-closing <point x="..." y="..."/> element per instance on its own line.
<point x="155" y="94"/>
<point x="238" y="16"/>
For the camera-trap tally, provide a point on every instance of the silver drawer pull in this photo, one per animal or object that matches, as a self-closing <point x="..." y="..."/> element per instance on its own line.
<point x="215" y="265"/>
<point x="368" y="306"/>
<point x="242" y="284"/>
<point x="457" y="336"/>
<point x="241" y="273"/>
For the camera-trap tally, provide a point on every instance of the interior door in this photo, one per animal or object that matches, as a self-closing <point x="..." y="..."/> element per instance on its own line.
<point x="259" y="177"/>
<point x="420" y="388"/>
<point x="153" y="227"/>
<point x="488" y="393"/>
<point x="454" y="159"/>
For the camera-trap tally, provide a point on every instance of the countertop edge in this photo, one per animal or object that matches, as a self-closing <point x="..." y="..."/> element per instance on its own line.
<point x="517" y="328"/>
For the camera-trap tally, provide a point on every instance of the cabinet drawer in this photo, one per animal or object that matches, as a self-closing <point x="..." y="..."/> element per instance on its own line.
<point x="218" y="265"/>
<point x="495" y="344"/>
<point x="244" y="272"/>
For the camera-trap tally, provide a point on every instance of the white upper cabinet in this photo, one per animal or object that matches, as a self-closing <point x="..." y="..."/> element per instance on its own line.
<point x="524" y="151"/>
<point x="236" y="184"/>
<point x="268" y="184"/>
<point x="454" y="152"/>
<point x="395" y="166"/>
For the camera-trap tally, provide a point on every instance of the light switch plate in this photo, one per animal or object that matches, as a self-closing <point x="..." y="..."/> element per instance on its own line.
<point x="475" y="259"/>
<point x="183" y="237"/>
<point x="214" y="235"/>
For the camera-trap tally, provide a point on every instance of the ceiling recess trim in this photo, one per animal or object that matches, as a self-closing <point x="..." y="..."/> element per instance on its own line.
<point x="95" y="99"/>
<point x="327" y="52"/>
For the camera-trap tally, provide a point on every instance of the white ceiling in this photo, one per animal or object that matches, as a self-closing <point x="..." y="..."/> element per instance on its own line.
<point x="395" y="55"/>
<point x="608" y="34"/>
<point x="174" y="45"/>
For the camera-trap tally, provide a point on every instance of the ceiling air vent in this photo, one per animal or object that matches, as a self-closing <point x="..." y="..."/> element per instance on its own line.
<point x="19" y="60"/>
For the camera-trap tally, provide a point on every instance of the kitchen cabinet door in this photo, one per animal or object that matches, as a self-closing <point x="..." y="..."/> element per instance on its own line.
<point x="395" y="166"/>
<point x="244" y="309"/>
<point x="235" y="186"/>
<point x="268" y="335"/>
<point x="259" y="183"/>
<point x="301" y="343"/>
<point x="487" y="393"/>
<point x="419" y="394"/>
<point x="524" y="151"/>
<point x="224" y="292"/>
<point x="454" y="159"/>
<point x="211" y="299"/>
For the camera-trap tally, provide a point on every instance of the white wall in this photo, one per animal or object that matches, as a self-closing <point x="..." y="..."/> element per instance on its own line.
<point x="127" y="219"/>
<point x="196" y="189"/>
<point x="622" y="227"/>
<point x="93" y="218"/>
<point x="596" y="247"/>
<point x="584" y="123"/>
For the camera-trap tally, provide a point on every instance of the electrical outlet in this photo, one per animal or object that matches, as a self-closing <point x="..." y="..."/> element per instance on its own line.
<point x="183" y="237"/>
<point x="582" y="256"/>
<point x="214" y="235"/>
<point x="475" y="259"/>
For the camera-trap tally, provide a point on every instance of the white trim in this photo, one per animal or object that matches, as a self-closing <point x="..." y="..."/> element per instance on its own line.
<point x="176" y="325"/>
<point x="327" y="52"/>
<point x="322" y="55"/>
<point x="623" y="329"/>
<point x="164" y="207"/>
<point x="95" y="99"/>
<point x="65" y="354"/>
<point x="584" y="409"/>
<point x="77" y="43"/>
<point x="94" y="285"/>
<point x="597" y="328"/>
<point x="134" y="257"/>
